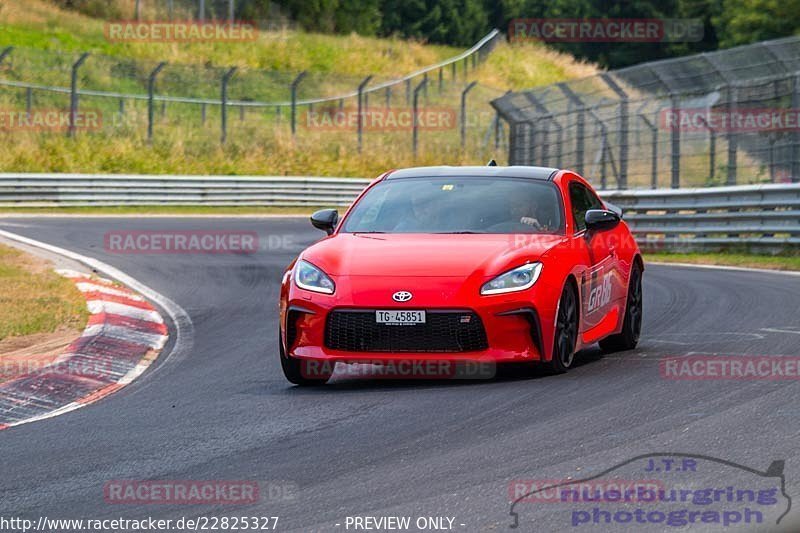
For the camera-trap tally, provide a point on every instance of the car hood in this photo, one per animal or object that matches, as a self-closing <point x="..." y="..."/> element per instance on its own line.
<point x="445" y="255"/>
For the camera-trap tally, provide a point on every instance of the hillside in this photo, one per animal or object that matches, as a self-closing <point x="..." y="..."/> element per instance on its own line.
<point x="48" y="39"/>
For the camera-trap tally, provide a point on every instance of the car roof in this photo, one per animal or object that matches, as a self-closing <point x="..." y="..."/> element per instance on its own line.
<point x="537" y="173"/>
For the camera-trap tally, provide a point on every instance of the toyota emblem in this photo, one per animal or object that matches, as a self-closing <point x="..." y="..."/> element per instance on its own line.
<point x="402" y="296"/>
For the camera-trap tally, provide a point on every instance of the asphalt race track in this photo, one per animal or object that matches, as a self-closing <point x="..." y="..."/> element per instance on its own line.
<point x="221" y="409"/>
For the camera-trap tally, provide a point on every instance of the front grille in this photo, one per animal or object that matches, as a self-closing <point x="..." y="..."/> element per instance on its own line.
<point x="443" y="331"/>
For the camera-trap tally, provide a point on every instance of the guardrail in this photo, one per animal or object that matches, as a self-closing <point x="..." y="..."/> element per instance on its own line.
<point x="766" y="217"/>
<point x="81" y="190"/>
<point x="752" y="216"/>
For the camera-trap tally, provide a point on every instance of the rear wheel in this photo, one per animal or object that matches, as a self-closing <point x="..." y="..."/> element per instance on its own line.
<point x="566" y="336"/>
<point x="628" y="338"/>
<point x="302" y="372"/>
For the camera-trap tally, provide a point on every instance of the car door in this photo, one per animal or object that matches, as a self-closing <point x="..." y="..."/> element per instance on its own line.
<point x="598" y="279"/>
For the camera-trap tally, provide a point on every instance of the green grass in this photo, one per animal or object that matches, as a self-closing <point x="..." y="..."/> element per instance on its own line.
<point x="42" y="25"/>
<point x="35" y="300"/>
<point x="261" y="143"/>
<point x="773" y="262"/>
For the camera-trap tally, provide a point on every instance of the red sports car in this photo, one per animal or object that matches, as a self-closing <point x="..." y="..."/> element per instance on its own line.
<point x="462" y="265"/>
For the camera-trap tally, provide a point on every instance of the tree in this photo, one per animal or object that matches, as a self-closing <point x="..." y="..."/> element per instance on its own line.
<point x="748" y="21"/>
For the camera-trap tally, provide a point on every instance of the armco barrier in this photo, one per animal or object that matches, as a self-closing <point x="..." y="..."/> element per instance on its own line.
<point x="765" y="217"/>
<point x="751" y="216"/>
<point x="80" y="190"/>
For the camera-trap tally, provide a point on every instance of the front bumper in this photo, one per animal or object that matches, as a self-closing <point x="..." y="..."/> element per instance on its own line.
<point x="516" y="328"/>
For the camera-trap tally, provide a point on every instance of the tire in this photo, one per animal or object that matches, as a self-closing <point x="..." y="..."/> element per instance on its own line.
<point x="628" y="338"/>
<point x="566" y="334"/>
<point x="292" y="369"/>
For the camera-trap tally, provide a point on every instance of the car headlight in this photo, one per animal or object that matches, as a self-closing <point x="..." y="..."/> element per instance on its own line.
<point x="518" y="279"/>
<point x="311" y="278"/>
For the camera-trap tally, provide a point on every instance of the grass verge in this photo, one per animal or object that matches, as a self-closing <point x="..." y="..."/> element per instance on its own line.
<point x="34" y="299"/>
<point x="771" y="262"/>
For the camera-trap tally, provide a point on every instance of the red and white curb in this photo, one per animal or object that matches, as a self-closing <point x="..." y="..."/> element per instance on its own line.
<point x="181" y="330"/>
<point x="123" y="336"/>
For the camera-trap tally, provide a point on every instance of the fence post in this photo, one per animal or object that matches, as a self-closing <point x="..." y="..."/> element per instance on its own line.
<point x="548" y="116"/>
<point x="231" y="11"/>
<point x="653" y="151"/>
<point x="622" y="181"/>
<point x="408" y="91"/>
<point x="360" y="116"/>
<point x="294" y="85"/>
<point x="560" y="137"/>
<point x="455" y="70"/>
<point x="441" y="80"/>
<point x="73" y="94"/>
<point x="580" y="125"/>
<point x="415" y="134"/>
<point x="388" y="97"/>
<point x="498" y="126"/>
<point x="604" y="148"/>
<point x="675" y="138"/>
<point x="6" y="51"/>
<point x="151" y="87"/>
<point x="28" y="101"/>
<point x="202" y="11"/>
<point x="224" y="103"/>
<point x="170" y="7"/>
<point x="772" y="140"/>
<point x="732" y="136"/>
<point x="795" y="149"/>
<point x="466" y="90"/>
<point x="712" y="148"/>
<point x="138" y="10"/>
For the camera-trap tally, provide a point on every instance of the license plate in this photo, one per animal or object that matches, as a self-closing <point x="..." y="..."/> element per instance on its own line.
<point x="399" y="318"/>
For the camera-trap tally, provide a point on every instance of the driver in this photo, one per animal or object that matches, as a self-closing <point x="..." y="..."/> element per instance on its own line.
<point x="424" y="214"/>
<point x="521" y="212"/>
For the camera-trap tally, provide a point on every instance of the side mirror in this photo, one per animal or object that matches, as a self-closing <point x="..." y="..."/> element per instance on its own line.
<point x="601" y="220"/>
<point x="325" y="219"/>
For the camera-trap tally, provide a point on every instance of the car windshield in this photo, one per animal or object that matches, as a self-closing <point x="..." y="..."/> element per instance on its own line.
<point x="458" y="205"/>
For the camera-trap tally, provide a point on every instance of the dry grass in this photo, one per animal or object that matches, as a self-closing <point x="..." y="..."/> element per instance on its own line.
<point x="34" y="299"/>
<point x="523" y="65"/>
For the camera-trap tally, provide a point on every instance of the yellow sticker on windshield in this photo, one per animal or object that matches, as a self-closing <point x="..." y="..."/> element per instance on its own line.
<point x="448" y="187"/>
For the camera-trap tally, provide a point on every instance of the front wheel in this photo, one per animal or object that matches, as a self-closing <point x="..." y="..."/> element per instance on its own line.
<point x="628" y="338"/>
<point x="304" y="373"/>
<point x="566" y="335"/>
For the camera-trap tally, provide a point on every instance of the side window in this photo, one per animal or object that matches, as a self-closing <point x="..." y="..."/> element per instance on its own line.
<point x="582" y="200"/>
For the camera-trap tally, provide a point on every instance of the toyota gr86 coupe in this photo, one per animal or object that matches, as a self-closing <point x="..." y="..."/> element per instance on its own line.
<point x="462" y="264"/>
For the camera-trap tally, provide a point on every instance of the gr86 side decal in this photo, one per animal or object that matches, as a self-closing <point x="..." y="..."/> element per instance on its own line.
<point x="600" y="294"/>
